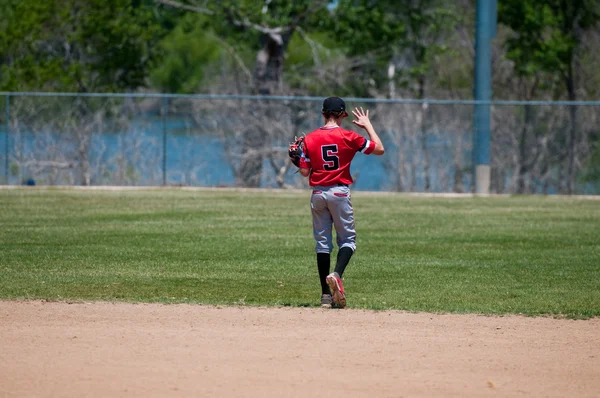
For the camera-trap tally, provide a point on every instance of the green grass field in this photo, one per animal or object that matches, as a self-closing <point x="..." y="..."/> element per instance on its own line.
<point x="499" y="255"/>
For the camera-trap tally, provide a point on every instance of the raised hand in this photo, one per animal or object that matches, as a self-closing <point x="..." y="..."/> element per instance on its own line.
<point x="362" y="117"/>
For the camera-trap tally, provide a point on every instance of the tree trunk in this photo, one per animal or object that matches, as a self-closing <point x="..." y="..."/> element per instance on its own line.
<point x="268" y="70"/>
<point x="84" y="163"/>
<point x="391" y="80"/>
<point x="268" y="67"/>
<point x="457" y="185"/>
<point x="401" y="172"/>
<point x="423" y="133"/>
<point x="82" y="135"/>
<point x="524" y="163"/>
<point x="571" y="172"/>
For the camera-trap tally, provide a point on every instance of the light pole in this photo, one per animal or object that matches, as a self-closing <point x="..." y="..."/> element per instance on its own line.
<point x="485" y="32"/>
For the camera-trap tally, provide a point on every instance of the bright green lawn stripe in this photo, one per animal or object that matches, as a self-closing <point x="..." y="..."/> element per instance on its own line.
<point x="530" y="255"/>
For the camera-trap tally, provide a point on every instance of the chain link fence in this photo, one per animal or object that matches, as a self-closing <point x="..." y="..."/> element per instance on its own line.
<point x="241" y="141"/>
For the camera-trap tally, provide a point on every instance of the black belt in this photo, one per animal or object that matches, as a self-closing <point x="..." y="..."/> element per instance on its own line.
<point x="342" y="185"/>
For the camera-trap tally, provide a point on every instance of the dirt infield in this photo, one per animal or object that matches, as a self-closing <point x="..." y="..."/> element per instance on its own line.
<point x="153" y="350"/>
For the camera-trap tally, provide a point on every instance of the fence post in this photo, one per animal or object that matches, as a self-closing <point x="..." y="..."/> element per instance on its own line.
<point x="7" y="132"/>
<point x="165" y="109"/>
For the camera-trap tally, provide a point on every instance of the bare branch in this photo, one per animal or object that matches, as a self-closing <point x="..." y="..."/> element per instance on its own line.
<point x="312" y="45"/>
<point x="235" y="56"/>
<point x="177" y="4"/>
<point x="280" y="172"/>
<point x="309" y="11"/>
<point x="247" y="24"/>
<point x="274" y="33"/>
<point x="48" y="163"/>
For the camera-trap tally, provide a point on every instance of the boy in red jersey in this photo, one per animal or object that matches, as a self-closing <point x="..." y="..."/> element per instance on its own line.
<point x="328" y="153"/>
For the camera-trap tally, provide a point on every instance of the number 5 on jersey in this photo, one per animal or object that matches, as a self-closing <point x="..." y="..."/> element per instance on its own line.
<point x="330" y="159"/>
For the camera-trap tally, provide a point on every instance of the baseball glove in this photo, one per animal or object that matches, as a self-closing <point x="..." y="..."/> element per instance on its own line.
<point x="295" y="150"/>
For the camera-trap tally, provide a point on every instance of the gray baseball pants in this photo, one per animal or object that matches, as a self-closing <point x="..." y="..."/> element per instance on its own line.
<point x="331" y="207"/>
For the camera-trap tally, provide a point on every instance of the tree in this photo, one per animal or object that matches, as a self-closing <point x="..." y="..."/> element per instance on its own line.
<point x="77" y="46"/>
<point x="547" y="36"/>
<point x="268" y="27"/>
<point x="397" y="41"/>
<point x="370" y="34"/>
<point x="186" y="52"/>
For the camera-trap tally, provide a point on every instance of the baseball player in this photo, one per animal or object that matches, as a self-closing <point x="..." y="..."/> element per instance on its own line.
<point x="325" y="158"/>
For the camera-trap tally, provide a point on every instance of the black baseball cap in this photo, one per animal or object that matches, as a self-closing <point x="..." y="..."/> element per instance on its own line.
<point x="334" y="104"/>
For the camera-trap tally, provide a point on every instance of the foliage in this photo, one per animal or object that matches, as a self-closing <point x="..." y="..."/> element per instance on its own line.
<point x="348" y="46"/>
<point x="404" y="35"/>
<point x="186" y="51"/>
<point x="547" y="39"/>
<point x="545" y="49"/>
<point x="76" y="45"/>
<point x="311" y="63"/>
<point x="370" y="33"/>
<point x="546" y="33"/>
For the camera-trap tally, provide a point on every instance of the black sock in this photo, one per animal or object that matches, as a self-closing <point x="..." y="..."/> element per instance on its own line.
<point x="323" y="263"/>
<point x="343" y="258"/>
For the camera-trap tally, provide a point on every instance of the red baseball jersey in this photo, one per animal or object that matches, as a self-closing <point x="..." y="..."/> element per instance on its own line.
<point x="328" y="152"/>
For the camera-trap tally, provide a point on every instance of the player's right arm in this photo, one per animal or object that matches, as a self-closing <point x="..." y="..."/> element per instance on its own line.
<point x="362" y="120"/>
<point x="304" y="163"/>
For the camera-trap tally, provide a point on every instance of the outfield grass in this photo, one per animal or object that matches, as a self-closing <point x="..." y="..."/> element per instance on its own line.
<point x="499" y="255"/>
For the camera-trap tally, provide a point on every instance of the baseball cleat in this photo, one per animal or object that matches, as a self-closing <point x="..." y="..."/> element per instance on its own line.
<point x="337" y="290"/>
<point x="326" y="301"/>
